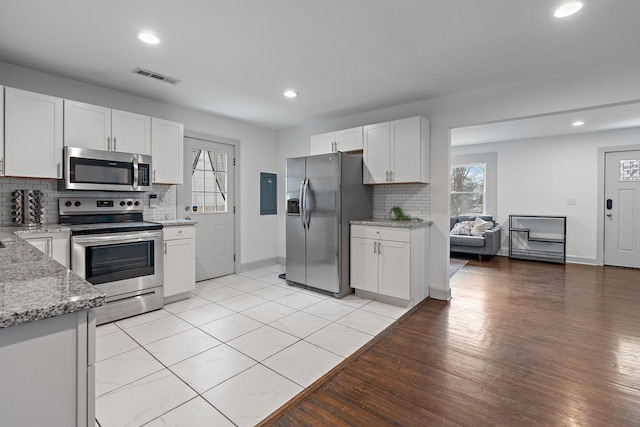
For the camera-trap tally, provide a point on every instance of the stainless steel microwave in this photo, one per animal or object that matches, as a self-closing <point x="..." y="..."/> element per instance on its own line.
<point x="86" y="169"/>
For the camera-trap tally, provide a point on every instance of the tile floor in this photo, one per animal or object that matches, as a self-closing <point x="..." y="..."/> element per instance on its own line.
<point x="233" y="353"/>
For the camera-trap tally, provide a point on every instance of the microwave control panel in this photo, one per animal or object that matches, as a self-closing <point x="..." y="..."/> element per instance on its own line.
<point x="144" y="174"/>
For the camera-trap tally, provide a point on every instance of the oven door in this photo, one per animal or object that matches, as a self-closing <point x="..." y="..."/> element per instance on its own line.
<point x="119" y="263"/>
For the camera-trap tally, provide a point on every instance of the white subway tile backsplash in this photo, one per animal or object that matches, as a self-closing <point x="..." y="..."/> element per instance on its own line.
<point x="412" y="198"/>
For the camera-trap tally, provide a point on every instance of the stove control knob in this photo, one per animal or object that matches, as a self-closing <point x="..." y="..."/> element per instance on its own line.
<point x="67" y="203"/>
<point x="77" y="203"/>
<point x="129" y="203"/>
<point x="137" y="203"/>
<point x="122" y="203"/>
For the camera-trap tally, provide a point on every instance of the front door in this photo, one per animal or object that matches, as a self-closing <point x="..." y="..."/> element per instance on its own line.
<point x="207" y="196"/>
<point x="622" y="209"/>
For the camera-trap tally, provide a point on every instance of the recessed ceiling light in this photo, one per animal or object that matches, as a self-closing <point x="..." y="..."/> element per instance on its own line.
<point x="149" y="38"/>
<point x="577" y="123"/>
<point x="567" y="9"/>
<point x="290" y="93"/>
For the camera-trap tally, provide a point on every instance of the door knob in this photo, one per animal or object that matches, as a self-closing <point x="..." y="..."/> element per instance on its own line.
<point x="609" y="214"/>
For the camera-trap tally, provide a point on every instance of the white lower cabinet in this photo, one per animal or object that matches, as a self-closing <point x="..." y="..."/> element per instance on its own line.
<point x="179" y="262"/>
<point x="390" y="262"/>
<point x="47" y="372"/>
<point x="56" y="245"/>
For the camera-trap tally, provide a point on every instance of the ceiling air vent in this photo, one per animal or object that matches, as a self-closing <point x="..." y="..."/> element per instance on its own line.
<point x="156" y="76"/>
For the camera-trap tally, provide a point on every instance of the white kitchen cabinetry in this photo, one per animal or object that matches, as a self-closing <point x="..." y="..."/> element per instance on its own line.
<point x="1" y="131"/>
<point x="32" y="135"/>
<point x="390" y="263"/>
<point x="342" y="140"/>
<point x="167" y="142"/>
<point x="48" y="372"/>
<point x="179" y="262"/>
<point x="397" y="152"/>
<point x="56" y="245"/>
<point x="101" y="128"/>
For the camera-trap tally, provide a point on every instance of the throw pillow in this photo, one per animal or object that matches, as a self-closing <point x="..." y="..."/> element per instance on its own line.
<point x="462" y="228"/>
<point x="480" y="226"/>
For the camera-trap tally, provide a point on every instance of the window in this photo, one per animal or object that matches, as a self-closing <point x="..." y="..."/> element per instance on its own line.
<point x="208" y="181"/>
<point x="468" y="190"/>
<point x="630" y="170"/>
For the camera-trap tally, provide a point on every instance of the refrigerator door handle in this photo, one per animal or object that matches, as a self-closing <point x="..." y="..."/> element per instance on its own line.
<point x="307" y="216"/>
<point x="301" y="199"/>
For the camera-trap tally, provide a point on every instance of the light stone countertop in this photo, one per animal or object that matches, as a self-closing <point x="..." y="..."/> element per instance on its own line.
<point x="383" y="222"/>
<point x="34" y="286"/>
<point x="175" y="222"/>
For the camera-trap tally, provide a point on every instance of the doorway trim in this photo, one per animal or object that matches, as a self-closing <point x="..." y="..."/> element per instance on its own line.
<point x="602" y="151"/>
<point x="236" y="182"/>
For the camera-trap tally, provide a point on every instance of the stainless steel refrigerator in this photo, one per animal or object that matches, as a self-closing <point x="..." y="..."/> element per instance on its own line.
<point x="324" y="193"/>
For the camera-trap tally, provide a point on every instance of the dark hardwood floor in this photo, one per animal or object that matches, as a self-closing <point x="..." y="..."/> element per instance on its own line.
<point x="520" y="344"/>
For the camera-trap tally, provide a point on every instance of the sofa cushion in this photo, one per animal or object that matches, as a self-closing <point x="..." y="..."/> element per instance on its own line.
<point x="473" y="217"/>
<point x="462" y="228"/>
<point x="480" y="226"/>
<point x="475" y="241"/>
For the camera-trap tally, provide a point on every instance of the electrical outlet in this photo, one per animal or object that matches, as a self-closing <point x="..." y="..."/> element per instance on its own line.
<point x="571" y="200"/>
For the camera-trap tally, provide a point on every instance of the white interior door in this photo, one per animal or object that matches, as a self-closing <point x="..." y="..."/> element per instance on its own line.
<point x="207" y="196"/>
<point x="622" y="209"/>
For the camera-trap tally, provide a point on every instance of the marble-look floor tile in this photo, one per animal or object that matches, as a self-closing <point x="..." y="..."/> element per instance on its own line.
<point x="158" y="329"/>
<point x="273" y="292"/>
<point x="300" y="324"/>
<point x="273" y="279"/>
<point x="267" y="313"/>
<point x="130" y="322"/>
<point x="299" y="300"/>
<point x="195" y="413"/>
<point x="276" y="268"/>
<point x="206" y="285"/>
<point x="254" y="274"/>
<point x="220" y="294"/>
<point x="303" y="363"/>
<point x="339" y="339"/>
<point x="354" y="300"/>
<point x="210" y="368"/>
<point x="248" y="286"/>
<point x="186" y="304"/>
<point x="181" y="346"/>
<point x="125" y="368"/>
<point x="205" y="314"/>
<point x="242" y="302"/>
<point x="384" y="309"/>
<point x="143" y="400"/>
<point x="107" y="328"/>
<point x="230" y="327"/>
<point x="112" y="344"/>
<point x="231" y="278"/>
<point x="262" y="342"/>
<point x="329" y="310"/>
<point x="366" y="321"/>
<point x="251" y="396"/>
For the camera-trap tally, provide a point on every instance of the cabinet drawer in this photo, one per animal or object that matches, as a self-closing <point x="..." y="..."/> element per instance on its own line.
<point x="172" y="233"/>
<point x="381" y="233"/>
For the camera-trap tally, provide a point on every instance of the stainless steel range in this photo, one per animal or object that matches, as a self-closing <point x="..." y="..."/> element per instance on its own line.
<point x="115" y="250"/>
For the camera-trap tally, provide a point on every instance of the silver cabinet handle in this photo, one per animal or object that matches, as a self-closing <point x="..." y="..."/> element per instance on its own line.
<point x="391" y="176"/>
<point x="47" y="248"/>
<point x="374" y="247"/>
<point x="379" y="248"/>
<point x="387" y="176"/>
<point x="1" y="166"/>
<point x="165" y="248"/>
<point x="58" y="172"/>
<point x="108" y="143"/>
<point x="154" y="175"/>
<point x="114" y="144"/>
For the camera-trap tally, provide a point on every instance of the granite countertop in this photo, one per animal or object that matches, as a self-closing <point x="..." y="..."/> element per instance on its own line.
<point x="44" y="228"/>
<point x="34" y="286"/>
<point x="175" y="222"/>
<point x="385" y="222"/>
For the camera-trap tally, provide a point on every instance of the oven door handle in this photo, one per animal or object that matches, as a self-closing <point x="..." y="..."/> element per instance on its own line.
<point x="107" y="239"/>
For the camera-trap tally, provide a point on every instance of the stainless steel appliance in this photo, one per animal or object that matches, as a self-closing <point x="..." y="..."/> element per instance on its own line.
<point x="324" y="193"/>
<point x="116" y="251"/>
<point x="86" y="169"/>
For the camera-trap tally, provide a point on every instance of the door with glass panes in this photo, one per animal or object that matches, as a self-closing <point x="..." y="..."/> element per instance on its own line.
<point x="207" y="197"/>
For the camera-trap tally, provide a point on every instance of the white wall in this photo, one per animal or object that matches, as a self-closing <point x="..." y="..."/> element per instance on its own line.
<point x="574" y="89"/>
<point x="536" y="176"/>
<point x="257" y="148"/>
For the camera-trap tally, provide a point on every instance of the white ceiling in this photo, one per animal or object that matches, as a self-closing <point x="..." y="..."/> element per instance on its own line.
<point x="236" y="57"/>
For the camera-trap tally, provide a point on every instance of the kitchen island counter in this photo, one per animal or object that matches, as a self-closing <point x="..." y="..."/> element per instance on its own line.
<point x="33" y="286"/>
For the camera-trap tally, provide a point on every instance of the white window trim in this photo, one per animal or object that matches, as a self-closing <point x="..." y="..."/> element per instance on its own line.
<point x="490" y="160"/>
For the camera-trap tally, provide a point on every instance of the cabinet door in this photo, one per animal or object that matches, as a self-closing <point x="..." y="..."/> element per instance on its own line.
<point x="41" y="243"/>
<point x="167" y="151"/>
<point x="179" y="266"/>
<point x="323" y="143"/>
<point x="364" y="261"/>
<point x="33" y="134"/>
<point x="87" y="125"/>
<point x="376" y="153"/>
<point x="1" y="132"/>
<point x="395" y="269"/>
<point x="349" y="139"/>
<point x="130" y="132"/>
<point x="405" y="150"/>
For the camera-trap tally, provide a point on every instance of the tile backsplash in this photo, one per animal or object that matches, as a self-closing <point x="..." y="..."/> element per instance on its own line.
<point x="412" y="198"/>
<point x="166" y="197"/>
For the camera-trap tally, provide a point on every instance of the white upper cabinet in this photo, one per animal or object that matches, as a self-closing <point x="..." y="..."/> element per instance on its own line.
<point x="342" y="140"/>
<point x="101" y="128"/>
<point x="33" y="135"/>
<point x="167" y="141"/>
<point x="397" y="152"/>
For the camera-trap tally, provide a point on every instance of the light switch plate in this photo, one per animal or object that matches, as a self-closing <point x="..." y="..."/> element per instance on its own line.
<point x="571" y="200"/>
